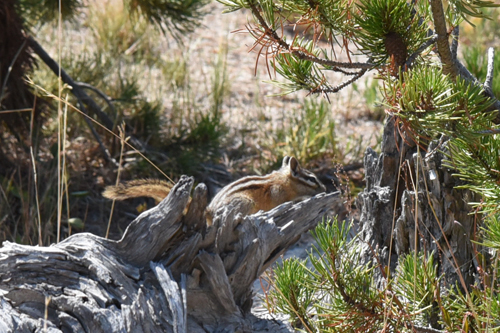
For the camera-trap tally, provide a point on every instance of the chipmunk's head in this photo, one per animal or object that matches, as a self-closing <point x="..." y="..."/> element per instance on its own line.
<point x="303" y="182"/>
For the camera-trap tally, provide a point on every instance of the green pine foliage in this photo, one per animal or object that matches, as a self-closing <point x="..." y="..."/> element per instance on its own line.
<point x="302" y="74"/>
<point x="477" y="162"/>
<point x="492" y="233"/>
<point x="293" y="297"/>
<point x="416" y="283"/>
<point x="379" y="18"/>
<point x="430" y="104"/>
<point x="177" y="17"/>
<point x="45" y="11"/>
<point x="334" y="291"/>
<point x="466" y="9"/>
<point x="430" y="97"/>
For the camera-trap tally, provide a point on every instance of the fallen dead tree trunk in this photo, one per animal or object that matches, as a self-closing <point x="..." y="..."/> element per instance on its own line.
<point x="168" y="273"/>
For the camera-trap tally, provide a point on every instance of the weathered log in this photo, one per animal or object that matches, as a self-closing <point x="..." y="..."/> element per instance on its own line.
<point x="390" y="210"/>
<point x="168" y="273"/>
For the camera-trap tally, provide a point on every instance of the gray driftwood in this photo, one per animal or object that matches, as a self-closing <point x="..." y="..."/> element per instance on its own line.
<point x="389" y="207"/>
<point x="169" y="272"/>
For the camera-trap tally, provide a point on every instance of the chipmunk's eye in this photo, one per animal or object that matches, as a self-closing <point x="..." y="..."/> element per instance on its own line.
<point x="311" y="180"/>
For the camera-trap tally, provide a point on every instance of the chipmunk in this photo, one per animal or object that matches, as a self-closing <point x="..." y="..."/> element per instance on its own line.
<point x="250" y="194"/>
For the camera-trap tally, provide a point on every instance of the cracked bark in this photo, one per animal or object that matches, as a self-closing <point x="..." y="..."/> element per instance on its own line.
<point x="168" y="273"/>
<point x="391" y="208"/>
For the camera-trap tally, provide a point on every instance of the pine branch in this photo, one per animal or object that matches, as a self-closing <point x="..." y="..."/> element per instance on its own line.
<point x="489" y="131"/>
<point x="326" y="62"/>
<point x="449" y="65"/>
<point x="340" y="70"/>
<point x="421" y="49"/>
<point x="79" y="93"/>
<point x="100" y="93"/>
<point x="342" y="85"/>
<point x="488" y="83"/>
<point x="454" y="42"/>
<point x="273" y="36"/>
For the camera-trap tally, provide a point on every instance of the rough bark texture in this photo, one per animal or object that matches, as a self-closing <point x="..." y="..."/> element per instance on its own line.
<point x="389" y="207"/>
<point x="169" y="272"/>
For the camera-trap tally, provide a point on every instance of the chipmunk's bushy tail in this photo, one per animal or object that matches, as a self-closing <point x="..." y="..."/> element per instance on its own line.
<point x="152" y="188"/>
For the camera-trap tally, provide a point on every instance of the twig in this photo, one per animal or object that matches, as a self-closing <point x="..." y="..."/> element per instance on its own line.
<point x="449" y="65"/>
<point x="16" y="110"/>
<point x="488" y="83"/>
<point x="489" y="132"/>
<point x="342" y="85"/>
<point x="77" y="91"/>
<point x="300" y="54"/>
<point x="326" y="62"/>
<point x="464" y="72"/>
<point x="100" y="93"/>
<point x="454" y="42"/>
<point x="340" y="70"/>
<point x="105" y="150"/>
<point x="37" y="200"/>
<point x="421" y="329"/>
<point x="421" y="49"/>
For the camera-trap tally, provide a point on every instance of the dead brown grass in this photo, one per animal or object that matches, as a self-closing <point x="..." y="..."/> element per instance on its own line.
<point x="179" y="78"/>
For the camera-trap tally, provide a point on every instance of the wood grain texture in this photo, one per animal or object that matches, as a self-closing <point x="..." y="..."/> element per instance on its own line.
<point x="390" y="207"/>
<point x="168" y="273"/>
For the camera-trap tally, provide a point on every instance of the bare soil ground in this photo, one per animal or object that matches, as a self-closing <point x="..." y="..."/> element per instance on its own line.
<point x="250" y="111"/>
<point x="250" y="101"/>
<point x="251" y="105"/>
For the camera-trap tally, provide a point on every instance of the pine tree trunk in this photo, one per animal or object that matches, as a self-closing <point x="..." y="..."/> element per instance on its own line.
<point x="389" y="207"/>
<point x="169" y="272"/>
<point x="16" y="61"/>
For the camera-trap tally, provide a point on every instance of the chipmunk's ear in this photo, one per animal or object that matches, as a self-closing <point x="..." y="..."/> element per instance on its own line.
<point x="293" y="165"/>
<point x="284" y="164"/>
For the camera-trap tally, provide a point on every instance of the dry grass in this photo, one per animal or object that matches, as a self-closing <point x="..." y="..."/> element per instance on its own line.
<point x="176" y="97"/>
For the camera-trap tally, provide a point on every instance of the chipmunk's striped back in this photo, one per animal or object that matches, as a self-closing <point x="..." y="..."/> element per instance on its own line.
<point x="289" y="183"/>
<point x="250" y="194"/>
